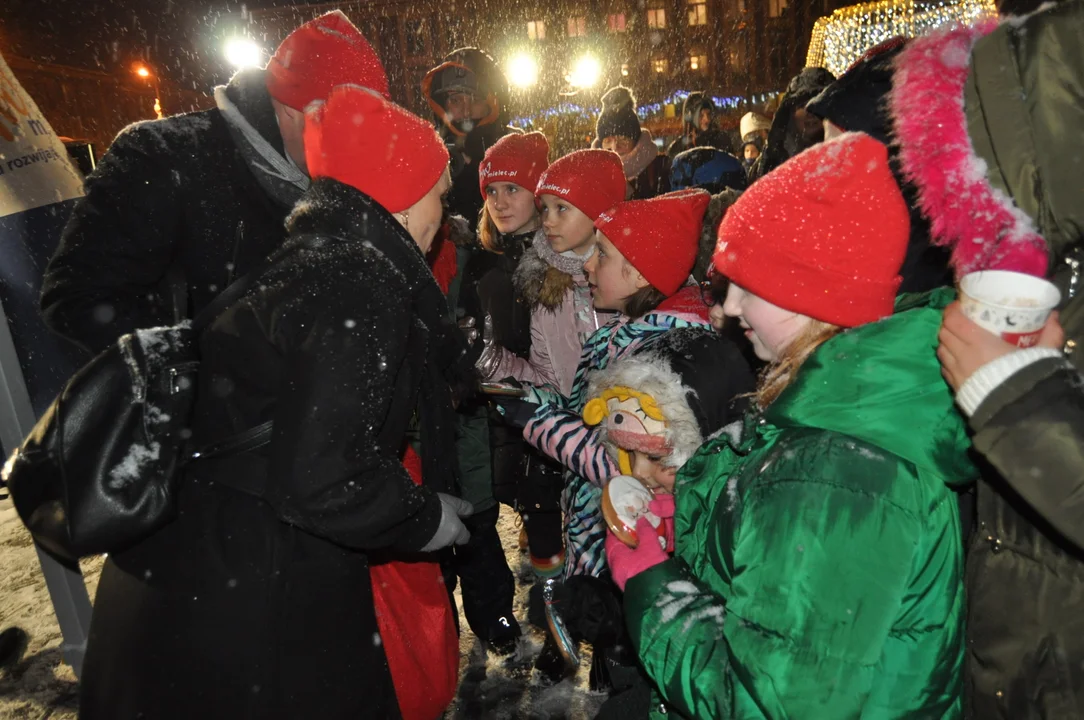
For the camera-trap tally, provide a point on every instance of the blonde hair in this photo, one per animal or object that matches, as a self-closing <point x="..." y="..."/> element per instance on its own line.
<point x="781" y="373"/>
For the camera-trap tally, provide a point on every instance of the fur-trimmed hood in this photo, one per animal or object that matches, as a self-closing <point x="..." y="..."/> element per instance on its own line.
<point x="696" y="379"/>
<point x="543" y="277"/>
<point x="981" y="224"/>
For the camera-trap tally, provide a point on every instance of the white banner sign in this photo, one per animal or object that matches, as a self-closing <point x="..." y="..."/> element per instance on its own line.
<point x="34" y="165"/>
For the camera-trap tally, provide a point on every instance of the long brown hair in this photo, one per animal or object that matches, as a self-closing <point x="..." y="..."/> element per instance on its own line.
<point x="781" y="373"/>
<point x="488" y="234"/>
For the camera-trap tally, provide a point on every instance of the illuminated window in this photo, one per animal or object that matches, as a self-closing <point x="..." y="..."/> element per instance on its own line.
<point x="660" y="65"/>
<point x="656" y="18"/>
<point x="615" y="22"/>
<point x="698" y="12"/>
<point x="577" y="26"/>
<point x="776" y="7"/>
<point x="698" y="62"/>
<point x="536" y="30"/>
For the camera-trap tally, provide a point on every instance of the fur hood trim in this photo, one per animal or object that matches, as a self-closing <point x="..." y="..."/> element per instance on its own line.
<point x="985" y="230"/>
<point x="538" y="282"/>
<point x="650" y="373"/>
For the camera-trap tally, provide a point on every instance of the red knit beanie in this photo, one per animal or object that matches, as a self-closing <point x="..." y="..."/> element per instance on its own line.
<point x="361" y="139"/>
<point x="515" y="158"/>
<point x="824" y="234"/>
<point x="660" y="236"/>
<point x="590" y="180"/>
<point x="319" y="55"/>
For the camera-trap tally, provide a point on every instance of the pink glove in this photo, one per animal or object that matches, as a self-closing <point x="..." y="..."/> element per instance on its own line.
<point x="626" y="562"/>
<point x="663" y="506"/>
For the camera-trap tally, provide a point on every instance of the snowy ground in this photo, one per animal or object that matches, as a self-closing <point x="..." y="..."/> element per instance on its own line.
<point x="41" y="687"/>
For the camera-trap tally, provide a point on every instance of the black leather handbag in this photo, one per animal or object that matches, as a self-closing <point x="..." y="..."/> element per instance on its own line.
<point x="99" y="471"/>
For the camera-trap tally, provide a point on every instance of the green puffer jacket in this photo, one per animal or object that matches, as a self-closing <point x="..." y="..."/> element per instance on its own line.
<point x="819" y="563"/>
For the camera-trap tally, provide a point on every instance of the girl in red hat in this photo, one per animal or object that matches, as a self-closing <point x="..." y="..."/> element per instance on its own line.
<point x="645" y="253"/>
<point x="494" y="456"/>
<point x="550" y="279"/>
<point x="818" y="558"/>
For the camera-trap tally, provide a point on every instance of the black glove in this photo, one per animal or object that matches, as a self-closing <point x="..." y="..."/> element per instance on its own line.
<point x="515" y="411"/>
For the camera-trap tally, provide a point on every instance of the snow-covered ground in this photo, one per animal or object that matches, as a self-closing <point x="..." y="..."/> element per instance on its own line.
<point x="41" y="687"/>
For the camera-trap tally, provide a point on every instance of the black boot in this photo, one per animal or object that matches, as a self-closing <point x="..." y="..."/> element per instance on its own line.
<point x="503" y="636"/>
<point x="551" y="664"/>
<point x="13" y="642"/>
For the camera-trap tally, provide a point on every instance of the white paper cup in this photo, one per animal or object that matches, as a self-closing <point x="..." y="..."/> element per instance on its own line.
<point x="1010" y="304"/>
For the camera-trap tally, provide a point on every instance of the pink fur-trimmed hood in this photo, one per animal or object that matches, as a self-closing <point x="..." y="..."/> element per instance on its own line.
<point x="978" y="221"/>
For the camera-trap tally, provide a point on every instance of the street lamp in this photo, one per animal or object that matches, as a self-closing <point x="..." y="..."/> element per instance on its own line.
<point x="144" y="72"/>
<point x="522" y="71"/>
<point x="242" y="52"/>
<point x="586" y="72"/>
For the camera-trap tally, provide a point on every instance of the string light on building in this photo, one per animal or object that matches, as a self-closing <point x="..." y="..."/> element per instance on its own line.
<point x="839" y="39"/>
<point x="644" y="111"/>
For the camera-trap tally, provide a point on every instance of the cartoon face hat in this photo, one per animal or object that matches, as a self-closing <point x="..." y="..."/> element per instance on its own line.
<point x="669" y="396"/>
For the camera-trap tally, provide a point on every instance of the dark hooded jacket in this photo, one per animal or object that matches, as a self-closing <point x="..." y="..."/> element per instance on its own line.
<point x="1021" y="115"/>
<point x="171" y="196"/>
<point x="468" y="69"/>
<point x="690" y="111"/>
<point x="1026" y="561"/>
<point x="256" y="601"/>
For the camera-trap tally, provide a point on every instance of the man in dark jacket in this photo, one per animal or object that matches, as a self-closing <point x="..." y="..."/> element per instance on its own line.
<point x="468" y="94"/>
<point x="698" y="116"/>
<point x="180" y="207"/>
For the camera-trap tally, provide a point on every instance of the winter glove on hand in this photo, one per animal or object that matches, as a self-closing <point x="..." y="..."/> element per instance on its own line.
<point x="515" y="411"/>
<point x="489" y="362"/>
<point x="626" y="562"/>
<point x="451" y="530"/>
<point x="663" y="506"/>
<point x="468" y="327"/>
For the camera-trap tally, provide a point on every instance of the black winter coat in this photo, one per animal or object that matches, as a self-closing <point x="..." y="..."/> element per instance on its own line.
<point x="488" y="289"/>
<point x="1025" y="573"/>
<point x="261" y="607"/>
<point x="169" y="193"/>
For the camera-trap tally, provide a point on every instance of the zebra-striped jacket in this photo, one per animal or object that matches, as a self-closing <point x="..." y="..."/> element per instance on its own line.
<point x="557" y="428"/>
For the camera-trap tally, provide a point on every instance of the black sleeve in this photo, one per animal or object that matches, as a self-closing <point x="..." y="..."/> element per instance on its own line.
<point x="105" y="277"/>
<point x="1031" y="429"/>
<point x="329" y="474"/>
<point x="511" y="316"/>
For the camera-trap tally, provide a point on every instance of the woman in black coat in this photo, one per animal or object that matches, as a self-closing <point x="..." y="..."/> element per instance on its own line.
<point x="256" y="601"/>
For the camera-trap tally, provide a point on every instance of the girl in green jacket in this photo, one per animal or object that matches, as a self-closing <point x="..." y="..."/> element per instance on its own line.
<point x="818" y="557"/>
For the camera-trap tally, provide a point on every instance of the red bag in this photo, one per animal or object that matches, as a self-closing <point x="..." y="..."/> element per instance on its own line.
<point x="417" y="627"/>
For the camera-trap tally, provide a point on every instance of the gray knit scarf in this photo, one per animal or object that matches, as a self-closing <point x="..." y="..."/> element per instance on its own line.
<point x="567" y="262"/>
<point x="279" y="178"/>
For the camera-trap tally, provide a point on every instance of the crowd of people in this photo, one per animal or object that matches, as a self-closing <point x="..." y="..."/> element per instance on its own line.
<point x="865" y="504"/>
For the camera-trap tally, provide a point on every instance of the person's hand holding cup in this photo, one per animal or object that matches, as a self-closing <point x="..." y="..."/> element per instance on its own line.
<point x="1012" y="305"/>
<point x="999" y="312"/>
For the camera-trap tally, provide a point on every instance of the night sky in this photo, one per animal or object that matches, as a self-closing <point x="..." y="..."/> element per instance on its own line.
<point x="182" y="39"/>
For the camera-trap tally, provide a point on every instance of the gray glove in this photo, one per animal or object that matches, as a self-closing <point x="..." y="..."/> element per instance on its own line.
<point x="451" y="530"/>
<point x="492" y="354"/>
